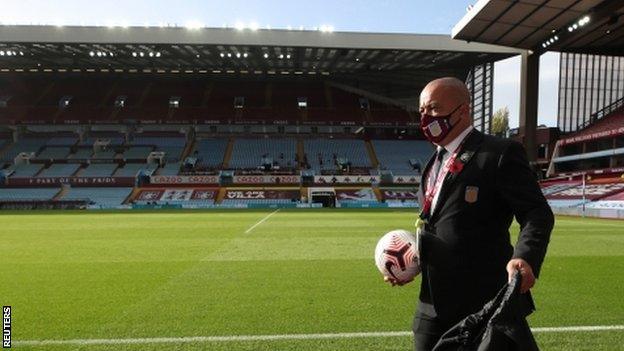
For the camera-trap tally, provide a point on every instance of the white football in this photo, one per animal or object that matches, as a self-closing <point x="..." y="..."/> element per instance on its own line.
<point x="396" y="255"/>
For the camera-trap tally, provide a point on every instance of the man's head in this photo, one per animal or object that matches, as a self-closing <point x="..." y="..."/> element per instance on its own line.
<point x="447" y="96"/>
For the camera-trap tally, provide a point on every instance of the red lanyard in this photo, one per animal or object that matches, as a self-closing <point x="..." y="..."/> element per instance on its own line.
<point x="431" y="191"/>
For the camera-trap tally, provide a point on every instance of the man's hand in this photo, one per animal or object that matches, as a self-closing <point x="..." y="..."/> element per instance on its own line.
<point x="528" y="278"/>
<point x="395" y="282"/>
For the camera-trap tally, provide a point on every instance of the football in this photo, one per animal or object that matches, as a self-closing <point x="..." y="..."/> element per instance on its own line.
<point x="396" y="255"/>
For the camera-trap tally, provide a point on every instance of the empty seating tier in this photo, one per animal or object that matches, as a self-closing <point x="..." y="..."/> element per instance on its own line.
<point x="28" y="194"/>
<point x="101" y="197"/>
<point x="402" y="157"/>
<point x="99" y="170"/>
<point x="209" y="152"/>
<point x="59" y="170"/>
<point x="255" y="153"/>
<point x="327" y="154"/>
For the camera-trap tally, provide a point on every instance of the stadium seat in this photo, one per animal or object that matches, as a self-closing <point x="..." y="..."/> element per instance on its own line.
<point x="249" y="153"/>
<point x="62" y="141"/>
<point x="209" y="152"/>
<point x="395" y="155"/>
<point x="132" y="169"/>
<point x="104" y="155"/>
<point x="23" y="145"/>
<point x="138" y="152"/>
<point x="101" y="197"/>
<point x="170" y="169"/>
<point x="54" y="153"/>
<point x="10" y="194"/>
<point x="322" y="154"/>
<point x="82" y="154"/>
<point x="25" y="170"/>
<point x="173" y="146"/>
<point x="99" y="170"/>
<point x="60" y="170"/>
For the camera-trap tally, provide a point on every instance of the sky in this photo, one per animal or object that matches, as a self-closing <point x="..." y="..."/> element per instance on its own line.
<point x="404" y="16"/>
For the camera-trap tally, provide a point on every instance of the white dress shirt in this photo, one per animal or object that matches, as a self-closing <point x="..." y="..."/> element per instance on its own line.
<point x="450" y="149"/>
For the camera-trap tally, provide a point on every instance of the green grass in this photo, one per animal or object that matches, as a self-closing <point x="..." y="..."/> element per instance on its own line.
<point x="89" y="275"/>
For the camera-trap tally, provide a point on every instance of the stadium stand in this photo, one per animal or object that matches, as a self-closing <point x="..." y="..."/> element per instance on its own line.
<point x="59" y="170"/>
<point x="137" y="152"/>
<point x="402" y="157"/>
<point x="30" y="144"/>
<point x="596" y="147"/>
<point x="173" y="146"/>
<point x="62" y="141"/>
<point x="99" y="170"/>
<point x="132" y="89"/>
<point x="560" y="203"/>
<point x="3" y="143"/>
<point x="148" y="99"/>
<point x="28" y="194"/>
<point x="132" y="169"/>
<point x="99" y="197"/>
<point x="121" y="119"/>
<point x="325" y="154"/>
<point x="255" y="153"/>
<point x="112" y="138"/>
<point x="381" y="113"/>
<point x="170" y="169"/>
<point x="104" y="155"/>
<point x="577" y="195"/>
<point x="25" y="169"/>
<point x="610" y="122"/>
<point x="54" y="153"/>
<point x="612" y="202"/>
<point x="209" y="152"/>
<point x="552" y="187"/>
<point x="82" y="154"/>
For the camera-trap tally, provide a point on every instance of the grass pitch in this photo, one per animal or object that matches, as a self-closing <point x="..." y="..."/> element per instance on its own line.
<point x="120" y="275"/>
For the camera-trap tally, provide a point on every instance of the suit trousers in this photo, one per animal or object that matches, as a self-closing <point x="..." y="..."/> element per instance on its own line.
<point x="427" y="331"/>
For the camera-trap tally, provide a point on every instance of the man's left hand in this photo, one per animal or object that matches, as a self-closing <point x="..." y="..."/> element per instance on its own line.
<point x="528" y="278"/>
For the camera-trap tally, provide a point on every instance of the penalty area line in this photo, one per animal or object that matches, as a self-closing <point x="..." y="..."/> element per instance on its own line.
<point x="226" y="338"/>
<point x="261" y="221"/>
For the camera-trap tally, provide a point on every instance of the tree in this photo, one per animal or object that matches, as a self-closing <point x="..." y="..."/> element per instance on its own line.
<point x="500" y="122"/>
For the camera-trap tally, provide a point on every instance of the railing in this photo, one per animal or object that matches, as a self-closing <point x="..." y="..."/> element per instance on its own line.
<point x="605" y="111"/>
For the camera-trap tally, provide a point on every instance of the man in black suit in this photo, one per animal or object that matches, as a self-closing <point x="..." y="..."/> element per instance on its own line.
<point x="471" y="189"/>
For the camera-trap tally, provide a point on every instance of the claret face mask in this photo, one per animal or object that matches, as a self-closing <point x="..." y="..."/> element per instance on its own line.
<point x="436" y="128"/>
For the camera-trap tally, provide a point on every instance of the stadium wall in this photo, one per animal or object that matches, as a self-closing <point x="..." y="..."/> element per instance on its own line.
<point x="589" y="212"/>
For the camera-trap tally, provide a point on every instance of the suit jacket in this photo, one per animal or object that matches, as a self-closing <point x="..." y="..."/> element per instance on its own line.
<point x="466" y="246"/>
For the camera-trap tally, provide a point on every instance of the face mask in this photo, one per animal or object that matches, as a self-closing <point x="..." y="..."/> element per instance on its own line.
<point x="438" y="127"/>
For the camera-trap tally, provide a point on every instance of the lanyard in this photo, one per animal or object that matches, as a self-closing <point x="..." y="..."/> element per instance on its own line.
<point x="431" y="191"/>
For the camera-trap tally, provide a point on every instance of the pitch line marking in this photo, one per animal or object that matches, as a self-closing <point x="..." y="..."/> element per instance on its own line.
<point x="225" y="338"/>
<point x="261" y="221"/>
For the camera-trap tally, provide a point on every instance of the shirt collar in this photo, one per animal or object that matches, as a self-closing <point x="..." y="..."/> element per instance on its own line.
<point x="454" y="144"/>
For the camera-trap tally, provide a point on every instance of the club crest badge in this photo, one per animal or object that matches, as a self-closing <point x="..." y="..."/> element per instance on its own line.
<point x="472" y="194"/>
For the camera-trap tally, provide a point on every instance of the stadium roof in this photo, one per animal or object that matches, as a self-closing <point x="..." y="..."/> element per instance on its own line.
<point x="179" y="49"/>
<point x="580" y="26"/>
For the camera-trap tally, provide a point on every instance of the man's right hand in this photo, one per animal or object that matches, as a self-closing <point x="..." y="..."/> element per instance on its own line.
<point x="395" y="282"/>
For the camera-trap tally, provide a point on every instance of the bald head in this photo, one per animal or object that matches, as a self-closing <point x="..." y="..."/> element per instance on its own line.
<point x="450" y="87"/>
<point x="447" y="96"/>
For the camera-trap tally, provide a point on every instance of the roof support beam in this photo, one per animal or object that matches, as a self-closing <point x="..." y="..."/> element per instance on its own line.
<point x="529" y="86"/>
